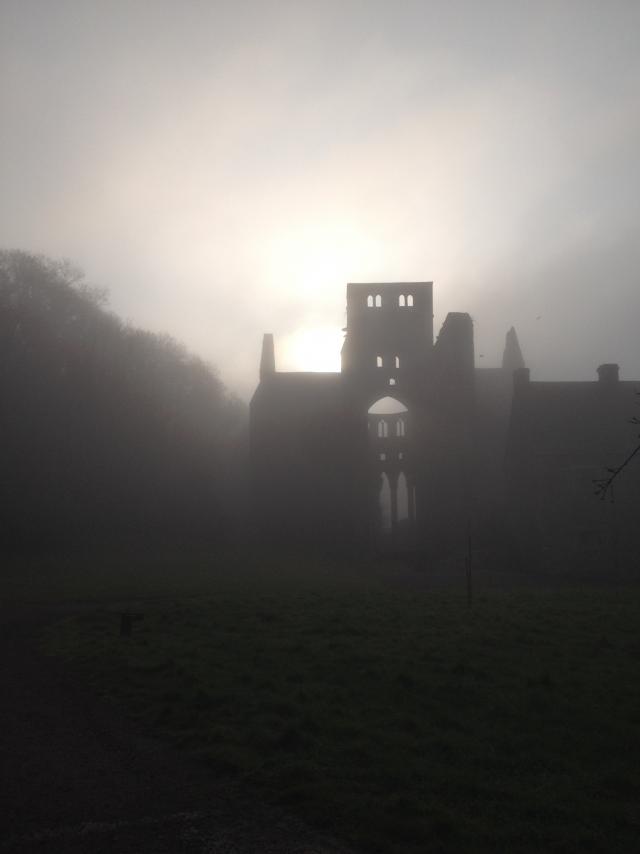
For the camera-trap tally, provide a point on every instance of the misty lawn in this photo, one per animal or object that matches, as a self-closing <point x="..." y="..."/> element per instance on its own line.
<point x="398" y="718"/>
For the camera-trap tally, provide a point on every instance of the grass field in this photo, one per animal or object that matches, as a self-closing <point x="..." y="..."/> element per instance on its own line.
<point x="390" y="713"/>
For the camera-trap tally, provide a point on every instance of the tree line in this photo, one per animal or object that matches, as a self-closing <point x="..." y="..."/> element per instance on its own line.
<point x="109" y="434"/>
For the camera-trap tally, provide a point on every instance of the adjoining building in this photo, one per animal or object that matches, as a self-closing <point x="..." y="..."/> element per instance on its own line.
<point x="411" y="446"/>
<point x="563" y="438"/>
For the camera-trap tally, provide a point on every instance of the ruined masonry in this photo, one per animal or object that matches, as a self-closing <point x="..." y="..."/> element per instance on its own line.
<point x="411" y="447"/>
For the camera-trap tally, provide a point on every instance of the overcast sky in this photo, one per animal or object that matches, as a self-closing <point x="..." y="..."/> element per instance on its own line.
<point x="224" y="168"/>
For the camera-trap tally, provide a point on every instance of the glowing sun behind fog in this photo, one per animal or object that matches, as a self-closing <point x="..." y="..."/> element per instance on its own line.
<point x="310" y="349"/>
<point x="311" y="257"/>
<point x="312" y="263"/>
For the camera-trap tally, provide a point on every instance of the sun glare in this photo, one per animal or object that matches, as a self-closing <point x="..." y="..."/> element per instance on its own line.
<point x="319" y="257"/>
<point x="312" y="262"/>
<point x="314" y="349"/>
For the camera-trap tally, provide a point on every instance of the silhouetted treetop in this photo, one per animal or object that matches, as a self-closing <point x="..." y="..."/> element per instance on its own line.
<point x="108" y="427"/>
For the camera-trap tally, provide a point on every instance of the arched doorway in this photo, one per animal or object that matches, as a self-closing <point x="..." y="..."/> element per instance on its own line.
<point x="388" y="421"/>
<point x="387" y="406"/>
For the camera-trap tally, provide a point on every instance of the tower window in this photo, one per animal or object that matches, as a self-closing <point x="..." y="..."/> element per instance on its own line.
<point x="392" y="381"/>
<point x="400" y="456"/>
<point x="383" y="457"/>
<point x="369" y="301"/>
<point x="397" y="361"/>
<point x="378" y="361"/>
<point x="383" y="429"/>
<point x="378" y="301"/>
<point x="400" y="427"/>
<point x="401" y="301"/>
<point x="410" y="301"/>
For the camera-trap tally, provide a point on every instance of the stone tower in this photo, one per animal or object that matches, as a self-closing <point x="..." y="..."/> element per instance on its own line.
<point x="389" y="337"/>
<point x="386" y="355"/>
<point x="380" y="450"/>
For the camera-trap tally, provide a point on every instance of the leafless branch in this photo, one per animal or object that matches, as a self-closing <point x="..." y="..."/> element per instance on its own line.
<point x="604" y="486"/>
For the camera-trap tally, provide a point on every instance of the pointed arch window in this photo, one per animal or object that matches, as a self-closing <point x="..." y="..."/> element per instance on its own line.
<point x="384" y="504"/>
<point x="370" y="301"/>
<point x="378" y="301"/>
<point x="410" y="301"/>
<point x="401" y="301"/>
<point x="383" y="429"/>
<point x="378" y="361"/>
<point x="397" y="361"/>
<point x="402" y="497"/>
<point x="400" y="427"/>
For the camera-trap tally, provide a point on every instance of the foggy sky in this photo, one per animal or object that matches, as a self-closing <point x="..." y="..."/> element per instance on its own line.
<point x="225" y="168"/>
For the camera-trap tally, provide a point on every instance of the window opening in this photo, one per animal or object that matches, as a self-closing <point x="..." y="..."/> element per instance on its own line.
<point x="387" y="406"/>
<point x="384" y="504"/>
<point x="378" y="361"/>
<point x="401" y="301"/>
<point x="400" y="427"/>
<point x="397" y="361"/>
<point x="369" y="301"/>
<point x="383" y="429"/>
<point x="378" y="301"/>
<point x="392" y="381"/>
<point x="383" y="457"/>
<point x="410" y="301"/>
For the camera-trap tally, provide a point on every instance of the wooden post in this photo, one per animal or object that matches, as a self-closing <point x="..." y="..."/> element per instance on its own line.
<point x="468" y="566"/>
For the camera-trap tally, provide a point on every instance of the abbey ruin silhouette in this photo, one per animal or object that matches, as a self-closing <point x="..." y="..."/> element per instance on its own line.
<point x="410" y="445"/>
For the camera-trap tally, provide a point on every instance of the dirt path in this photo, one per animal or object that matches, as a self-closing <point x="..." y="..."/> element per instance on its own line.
<point x="76" y="776"/>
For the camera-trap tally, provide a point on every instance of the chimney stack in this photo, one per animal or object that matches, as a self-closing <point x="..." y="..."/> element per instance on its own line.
<point x="608" y="375"/>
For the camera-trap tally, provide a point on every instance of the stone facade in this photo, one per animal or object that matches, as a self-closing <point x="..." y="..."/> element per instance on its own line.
<point x="335" y="462"/>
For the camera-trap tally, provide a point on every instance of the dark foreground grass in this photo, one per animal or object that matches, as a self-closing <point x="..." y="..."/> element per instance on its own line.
<point x="397" y="717"/>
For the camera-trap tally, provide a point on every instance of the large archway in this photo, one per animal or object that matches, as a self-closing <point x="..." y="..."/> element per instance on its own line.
<point x="386" y="405"/>
<point x="388" y="421"/>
